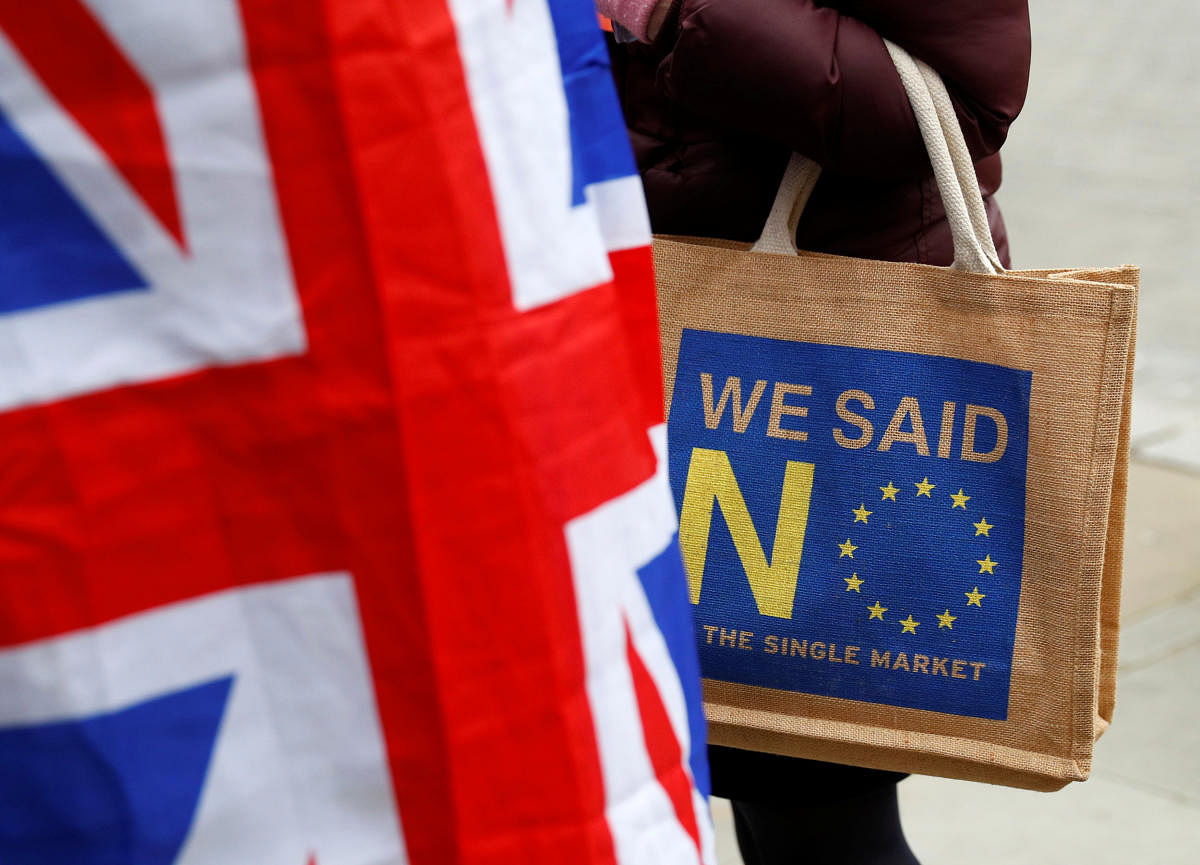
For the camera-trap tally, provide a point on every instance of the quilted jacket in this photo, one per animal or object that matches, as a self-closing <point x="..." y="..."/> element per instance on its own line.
<point x="730" y="87"/>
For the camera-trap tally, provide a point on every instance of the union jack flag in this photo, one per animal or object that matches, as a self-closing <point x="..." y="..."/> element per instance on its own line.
<point x="334" y="525"/>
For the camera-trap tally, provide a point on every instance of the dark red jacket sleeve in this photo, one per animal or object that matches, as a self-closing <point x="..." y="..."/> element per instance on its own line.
<point x="820" y="80"/>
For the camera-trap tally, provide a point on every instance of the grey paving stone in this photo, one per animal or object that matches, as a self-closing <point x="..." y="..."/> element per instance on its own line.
<point x="1154" y="742"/>
<point x="1162" y="544"/>
<point x="1181" y="450"/>
<point x="1100" y="822"/>
<point x="1157" y="419"/>
<point x="1166" y="411"/>
<point x="1100" y="168"/>
<point x="1159" y="634"/>
<point x="727" y="850"/>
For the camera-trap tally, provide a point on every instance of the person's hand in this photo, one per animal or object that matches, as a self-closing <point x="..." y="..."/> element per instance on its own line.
<point x="642" y="18"/>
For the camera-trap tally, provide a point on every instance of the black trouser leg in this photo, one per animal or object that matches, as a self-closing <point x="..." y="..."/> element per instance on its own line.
<point x="859" y="829"/>
<point x="745" y="837"/>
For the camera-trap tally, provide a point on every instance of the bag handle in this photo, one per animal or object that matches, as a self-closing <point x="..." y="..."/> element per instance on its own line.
<point x="969" y="251"/>
<point x="964" y="166"/>
<point x="953" y="171"/>
<point x="779" y="232"/>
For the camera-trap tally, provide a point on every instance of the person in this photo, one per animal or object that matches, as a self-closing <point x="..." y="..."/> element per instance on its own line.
<point x="716" y="95"/>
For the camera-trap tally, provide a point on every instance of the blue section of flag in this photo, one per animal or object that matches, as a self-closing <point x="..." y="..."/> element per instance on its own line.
<point x="666" y="590"/>
<point x="931" y="625"/>
<point x="114" y="788"/>
<point x="50" y="249"/>
<point x="599" y="143"/>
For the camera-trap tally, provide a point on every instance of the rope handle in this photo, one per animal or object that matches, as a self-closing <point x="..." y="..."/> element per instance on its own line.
<point x="953" y="170"/>
<point x="779" y="232"/>
<point x="964" y="166"/>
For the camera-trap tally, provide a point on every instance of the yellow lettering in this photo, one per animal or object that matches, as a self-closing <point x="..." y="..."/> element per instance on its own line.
<point x="727" y="638"/>
<point x="868" y="429"/>
<point x="901" y="662"/>
<point x="878" y="660"/>
<point x="852" y="655"/>
<point x="779" y="409"/>
<point x="956" y="669"/>
<point x="911" y="409"/>
<point x="833" y="658"/>
<point x="817" y="651"/>
<point x="968" y="443"/>
<point x="733" y="386"/>
<point x="798" y="648"/>
<point x="710" y="630"/>
<point x="939" y="666"/>
<point x="978" y="665"/>
<point x="744" y="640"/>
<point x="772" y="644"/>
<point x="710" y="480"/>
<point x="946" y="437"/>
<point x="921" y="664"/>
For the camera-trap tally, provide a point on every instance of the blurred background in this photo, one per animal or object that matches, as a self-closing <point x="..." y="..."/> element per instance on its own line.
<point x="1103" y="167"/>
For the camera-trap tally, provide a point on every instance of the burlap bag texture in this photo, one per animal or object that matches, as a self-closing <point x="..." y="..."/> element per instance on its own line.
<point x="1074" y="330"/>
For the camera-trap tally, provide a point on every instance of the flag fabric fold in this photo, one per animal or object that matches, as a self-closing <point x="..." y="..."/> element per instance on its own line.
<point x="334" y="519"/>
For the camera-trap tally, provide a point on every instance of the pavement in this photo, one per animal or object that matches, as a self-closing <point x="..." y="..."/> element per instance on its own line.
<point x="1101" y="168"/>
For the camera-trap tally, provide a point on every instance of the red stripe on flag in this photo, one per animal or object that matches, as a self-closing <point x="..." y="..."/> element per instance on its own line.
<point x="492" y="461"/>
<point x="93" y="80"/>
<point x="349" y="427"/>
<point x="633" y="271"/>
<point x="135" y="497"/>
<point x="413" y="445"/>
<point x="666" y="754"/>
<point x="571" y="372"/>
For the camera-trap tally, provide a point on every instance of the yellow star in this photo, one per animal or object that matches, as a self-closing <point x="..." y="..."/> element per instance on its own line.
<point x="861" y="513"/>
<point x="889" y="492"/>
<point x="909" y="625"/>
<point x="983" y="527"/>
<point x="974" y="597"/>
<point x="960" y="501"/>
<point x="853" y="582"/>
<point x="924" y="487"/>
<point x="945" y="620"/>
<point x="986" y="564"/>
<point x="847" y="549"/>
<point x="877" y="611"/>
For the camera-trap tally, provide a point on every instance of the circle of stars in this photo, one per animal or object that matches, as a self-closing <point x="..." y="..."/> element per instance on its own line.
<point x="925" y="489"/>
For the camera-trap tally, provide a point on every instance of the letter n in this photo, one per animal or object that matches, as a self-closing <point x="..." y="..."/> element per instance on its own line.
<point x="710" y="481"/>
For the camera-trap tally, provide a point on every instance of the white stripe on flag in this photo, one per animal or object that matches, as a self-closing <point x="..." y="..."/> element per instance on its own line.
<point x="514" y="78"/>
<point x="299" y="767"/>
<point x="660" y="520"/>
<point x="621" y="208"/>
<point x="229" y="297"/>
<point x="606" y="548"/>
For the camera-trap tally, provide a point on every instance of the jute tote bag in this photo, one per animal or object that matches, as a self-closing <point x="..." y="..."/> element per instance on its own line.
<point x="901" y="489"/>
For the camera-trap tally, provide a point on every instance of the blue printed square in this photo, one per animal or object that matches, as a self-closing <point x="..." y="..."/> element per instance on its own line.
<point x="852" y="519"/>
